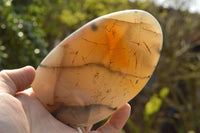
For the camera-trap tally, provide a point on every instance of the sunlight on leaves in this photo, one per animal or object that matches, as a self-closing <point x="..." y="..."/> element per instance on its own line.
<point x="153" y="105"/>
<point x="155" y="102"/>
<point x="164" y="92"/>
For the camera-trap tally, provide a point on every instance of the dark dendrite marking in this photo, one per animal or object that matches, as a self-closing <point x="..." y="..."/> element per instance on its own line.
<point x="96" y="75"/>
<point x="94" y="27"/>
<point x="136" y="81"/>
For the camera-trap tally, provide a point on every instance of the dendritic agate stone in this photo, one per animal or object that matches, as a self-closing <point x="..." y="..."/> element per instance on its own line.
<point x="99" y="67"/>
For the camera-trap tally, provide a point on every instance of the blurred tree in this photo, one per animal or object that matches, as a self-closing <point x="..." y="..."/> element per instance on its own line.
<point x="183" y="65"/>
<point x="179" y="66"/>
<point x="65" y="17"/>
<point x="21" y="36"/>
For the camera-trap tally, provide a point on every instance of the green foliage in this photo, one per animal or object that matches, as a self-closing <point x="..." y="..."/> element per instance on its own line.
<point x="153" y="106"/>
<point x="67" y="16"/>
<point x="164" y="92"/>
<point x="133" y="126"/>
<point x="21" y="36"/>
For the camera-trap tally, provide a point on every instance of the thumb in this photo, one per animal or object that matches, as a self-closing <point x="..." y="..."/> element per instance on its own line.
<point x="116" y="121"/>
<point x="12" y="81"/>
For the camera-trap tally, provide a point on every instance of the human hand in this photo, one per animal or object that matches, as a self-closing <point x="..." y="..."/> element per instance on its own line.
<point x="22" y="112"/>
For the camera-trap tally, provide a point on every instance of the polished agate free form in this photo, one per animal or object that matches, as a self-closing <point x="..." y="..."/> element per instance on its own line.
<point x="100" y="67"/>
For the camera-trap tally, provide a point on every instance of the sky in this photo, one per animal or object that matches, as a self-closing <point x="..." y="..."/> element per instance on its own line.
<point x="194" y="5"/>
